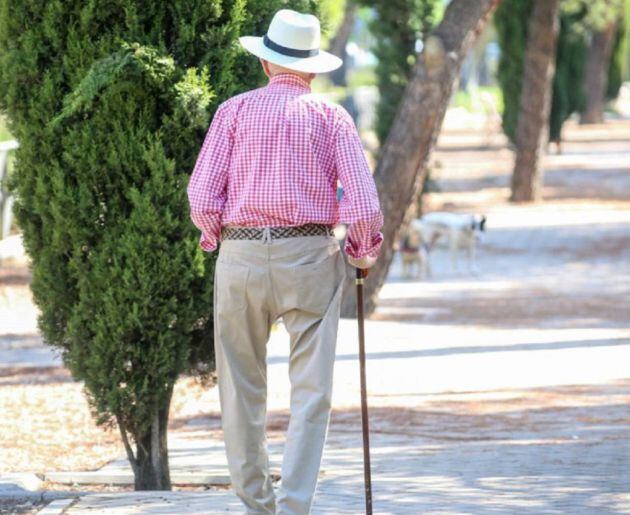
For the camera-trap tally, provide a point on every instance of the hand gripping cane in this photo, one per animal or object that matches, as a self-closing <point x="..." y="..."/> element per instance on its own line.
<point x="364" y="409"/>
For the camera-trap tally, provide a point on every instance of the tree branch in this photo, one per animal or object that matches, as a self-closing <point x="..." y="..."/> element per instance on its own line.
<point x="130" y="454"/>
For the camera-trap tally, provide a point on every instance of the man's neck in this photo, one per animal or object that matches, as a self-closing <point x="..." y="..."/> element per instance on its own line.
<point x="290" y="79"/>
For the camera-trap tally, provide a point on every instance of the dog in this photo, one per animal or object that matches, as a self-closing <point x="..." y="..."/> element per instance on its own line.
<point x="412" y="251"/>
<point x="459" y="231"/>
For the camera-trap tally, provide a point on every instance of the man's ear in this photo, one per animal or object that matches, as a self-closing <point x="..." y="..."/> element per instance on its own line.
<point x="265" y="66"/>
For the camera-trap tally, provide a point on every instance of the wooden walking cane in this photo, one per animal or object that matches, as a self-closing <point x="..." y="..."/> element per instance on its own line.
<point x="364" y="409"/>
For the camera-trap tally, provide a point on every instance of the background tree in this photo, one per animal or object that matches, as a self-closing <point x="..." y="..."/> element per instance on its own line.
<point x="511" y="24"/>
<point x="605" y="24"/>
<point x="615" y="77"/>
<point x="511" y="21"/>
<point x="578" y="20"/>
<point x="575" y="87"/>
<point x="397" y="26"/>
<point x="110" y="101"/>
<point x="535" y="99"/>
<point x="568" y="93"/>
<point x="401" y="166"/>
<point x="623" y="54"/>
<point x="340" y="40"/>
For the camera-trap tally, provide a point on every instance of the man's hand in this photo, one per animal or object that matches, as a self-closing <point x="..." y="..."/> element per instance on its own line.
<point x="364" y="263"/>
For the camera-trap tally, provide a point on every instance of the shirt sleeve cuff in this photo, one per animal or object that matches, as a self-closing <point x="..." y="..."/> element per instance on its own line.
<point x="208" y="243"/>
<point x="369" y="248"/>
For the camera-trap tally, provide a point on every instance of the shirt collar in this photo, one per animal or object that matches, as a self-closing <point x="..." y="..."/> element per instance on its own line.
<point x="289" y="79"/>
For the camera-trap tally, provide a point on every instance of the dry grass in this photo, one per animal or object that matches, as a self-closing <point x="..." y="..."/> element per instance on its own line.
<point x="48" y="426"/>
<point x="46" y="422"/>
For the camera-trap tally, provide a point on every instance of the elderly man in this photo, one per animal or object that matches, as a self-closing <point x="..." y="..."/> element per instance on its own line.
<point x="265" y="186"/>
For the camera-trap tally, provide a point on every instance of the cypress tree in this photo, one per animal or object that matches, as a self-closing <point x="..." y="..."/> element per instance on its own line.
<point x="568" y="92"/>
<point x="578" y="19"/>
<point x="510" y="20"/>
<point x="624" y="45"/>
<point x="397" y="26"/>
<point x="615" y="70"/>
<point x="110" y="101"/>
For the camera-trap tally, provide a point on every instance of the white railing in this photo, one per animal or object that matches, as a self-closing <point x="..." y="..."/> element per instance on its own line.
<point x="6" y="200"/>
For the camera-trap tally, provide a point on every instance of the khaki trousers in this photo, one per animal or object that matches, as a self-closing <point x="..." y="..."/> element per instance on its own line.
<point x="257" y="281"/>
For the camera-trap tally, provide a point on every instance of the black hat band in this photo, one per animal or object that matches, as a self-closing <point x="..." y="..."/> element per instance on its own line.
<point x="291" y="52"/>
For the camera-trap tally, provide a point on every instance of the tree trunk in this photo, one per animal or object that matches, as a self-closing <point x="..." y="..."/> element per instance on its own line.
<point x="402" y="164"/>
<point x="339" y="42"/>
<point x="532" y="127"/>
<point x="596" y="74"/>
<point x="150" y="461"/>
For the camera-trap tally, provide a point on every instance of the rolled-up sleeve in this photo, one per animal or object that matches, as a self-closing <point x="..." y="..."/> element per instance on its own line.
<point x="207" y="188"/>
<point x="359" y="206"/>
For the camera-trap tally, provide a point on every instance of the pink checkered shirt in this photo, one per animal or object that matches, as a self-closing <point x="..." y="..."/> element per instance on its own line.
<point x="272" y="157"/>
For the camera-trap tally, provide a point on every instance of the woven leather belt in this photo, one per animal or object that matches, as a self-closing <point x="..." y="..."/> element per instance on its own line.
<point x="260" y="233"/>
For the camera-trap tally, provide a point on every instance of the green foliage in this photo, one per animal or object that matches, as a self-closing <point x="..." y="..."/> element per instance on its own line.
<point x="595" y="14"/>
<point x="510" y="20"/>
<point x="331" y="12"/>
<point x="396" y="27"/>
<point x="4" y="131"/>
<point x="568" y="93"/>
<point x="615" y="70"/>
<point x="578" y="20"/>
<point x="110" y="101"/>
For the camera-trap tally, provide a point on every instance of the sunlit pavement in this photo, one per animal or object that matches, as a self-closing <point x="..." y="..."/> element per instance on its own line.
<point x="486" y="414"/>
<point x="502" y="392"/>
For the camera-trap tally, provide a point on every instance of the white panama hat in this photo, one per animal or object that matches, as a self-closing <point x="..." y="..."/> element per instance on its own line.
<point x="292" y="41"/>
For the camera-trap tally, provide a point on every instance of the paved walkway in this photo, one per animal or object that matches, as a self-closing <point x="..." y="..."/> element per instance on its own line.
<point x="473" y="410"/>
<point x="503" y="393"/>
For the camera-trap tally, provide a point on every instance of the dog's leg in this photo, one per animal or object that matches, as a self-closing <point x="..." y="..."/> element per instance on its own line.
<point x="454" y="247"/>
<point x="424" y="255"/>
<point x="472" y="263"/>
<point x="406" y="267"/>
<point x="422" y="263"/>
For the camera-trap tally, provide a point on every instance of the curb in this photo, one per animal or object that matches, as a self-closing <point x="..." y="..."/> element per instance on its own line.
<point x="38" y="497"/>
<point x="57" y="507"/>
<point x="105" y="477"/>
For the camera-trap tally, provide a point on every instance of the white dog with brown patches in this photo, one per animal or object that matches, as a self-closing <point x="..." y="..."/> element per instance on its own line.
<point x="458" y="231"/>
